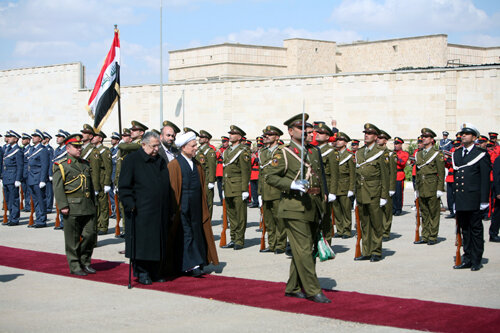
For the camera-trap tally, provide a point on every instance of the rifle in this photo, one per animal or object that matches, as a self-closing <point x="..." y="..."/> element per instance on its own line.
<point x="117" y="209"/>
<point x="417" y="229"/>
<point x="32" y="206"/>
<point x="21" y="206"/>
<point x="458" y="243"/>
<point x="110" y="211"/>
<point x="58" y="220"/>
<point x="5" y="209"/>
<point x="224" y="225"/>
<point x="358" y="229"/>
<point x="263" y="237"/>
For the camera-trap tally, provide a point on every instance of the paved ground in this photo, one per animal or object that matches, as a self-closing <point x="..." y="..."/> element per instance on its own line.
<point x="32" y="301"/>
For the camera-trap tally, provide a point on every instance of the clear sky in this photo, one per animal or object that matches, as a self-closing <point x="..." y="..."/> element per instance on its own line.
<point x="46" y="32"/>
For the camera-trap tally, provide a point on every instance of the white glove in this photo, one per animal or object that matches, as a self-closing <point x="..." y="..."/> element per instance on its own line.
<point x="17" y="183"/>
<point x="350" y="193"/>
<point x="416" y="194"/>
<point x="355" y="203"/>
<point x="439" y="194"/>
<point x="50" y="178"/>
<point x="211" y="186"/>
<point x="260" y="200"/>
<point x="115" y="191"/>
<point x="391" y="193"/>
<point x="484" y="205"/>
<point x="331" y="197"/>
<point x="107" y="188"/>
<point x="244" y="195"/>
<point x="96" y="193"/>
<point x="41" y="185"/>
<point x="223" y="196"/>
<point x="382" y="202"/>
<point x="298" y="187"/>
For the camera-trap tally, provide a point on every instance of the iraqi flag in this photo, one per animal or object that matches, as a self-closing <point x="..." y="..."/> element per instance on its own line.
<point x="107" y="87"/>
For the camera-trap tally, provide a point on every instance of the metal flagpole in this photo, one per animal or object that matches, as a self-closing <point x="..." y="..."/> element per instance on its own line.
<point x="119" y="98"/>
<point x="303" y="135"/>
<point x="161" y="63"/>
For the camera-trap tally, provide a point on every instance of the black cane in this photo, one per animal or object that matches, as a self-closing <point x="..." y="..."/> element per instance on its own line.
<point x="132" y="255"/>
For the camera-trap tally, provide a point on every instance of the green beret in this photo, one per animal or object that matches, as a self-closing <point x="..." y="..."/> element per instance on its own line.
<point x="296" y="120"/>
<point x="428" y="131"/>
<point x="187" y="129"/>
<point x="205" y="134"/>
<point x="171" y="124"/>
<point x="371" y="129"/>
<point x="233" y="129"/>
<point x="343" y="136"/>
<point x="321" y="127"/>
<point x="88" y="129"/>
<point x="272" y="130"/>
<point x="137" y="126"/>
<point x="384" y="134"/>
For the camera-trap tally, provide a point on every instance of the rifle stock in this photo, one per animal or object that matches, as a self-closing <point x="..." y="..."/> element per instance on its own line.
<point x="223" y="240"/>
<point x="110" y="211"/>
<point x="21" y="205"/>
<point x="417" y="229"/>
<point x="117" y="209"/>
<point x="458" y="243"/>
<point x="32" y="206"/>
<point x="5" y="219"/>
<point x="58" y="220"/>
<point x="358" y="230"/>
<point x="263" y="237"/>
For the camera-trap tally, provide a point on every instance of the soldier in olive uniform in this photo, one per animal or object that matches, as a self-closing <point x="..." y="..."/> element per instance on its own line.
<point x="105" y="183"/>
<point x="301" y="206"/>
<point x="206" y="156"/>
<point x="270" y="196"/>
<point x="235" y="186"/>
<point x="372" y="193"/>
<point x="331" y="166"/>
<point x="90" y="154"/>
<point x="382" y="139"/>
<point x="345" y="188"/>
<point x="75" y="196"/>
<point x="429" y="163"/>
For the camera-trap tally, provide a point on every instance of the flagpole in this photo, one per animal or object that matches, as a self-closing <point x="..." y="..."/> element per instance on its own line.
<point x="119" y="101"/>
<point x="161" y="63"/>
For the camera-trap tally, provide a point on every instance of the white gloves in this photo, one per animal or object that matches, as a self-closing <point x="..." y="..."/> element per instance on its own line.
<point x="298" y="187"/>
<point x="107" y="188"/>
<point x="211" y="186"/>
<point x="223" y="196"/>
<point x="391" y="193"/>
<point x="50" y="178"/>
<point x="439" y="194"/>
<point x="350" y="193"/>
<point x="115" y="190"/>
<point x="484" y="205"/>
<point x="41" y="185"/>
<point x="17" y="183"/>
<point x="331" y="197"/>
<point x="416" y="194"/>
<point x="96" y="193"/>
<point x="382" y="202"/>
<point x="244" y="196"/>
<point x="260" y="200"/>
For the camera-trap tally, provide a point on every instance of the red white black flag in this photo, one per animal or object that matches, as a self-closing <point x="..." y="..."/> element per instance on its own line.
<point x="107" y="87"/>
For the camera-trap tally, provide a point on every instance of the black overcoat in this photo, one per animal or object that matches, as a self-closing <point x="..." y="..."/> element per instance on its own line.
<point x="144" y="187"/>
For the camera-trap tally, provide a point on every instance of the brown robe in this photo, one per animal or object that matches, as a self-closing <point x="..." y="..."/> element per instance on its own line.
<point x="175" y="196"/>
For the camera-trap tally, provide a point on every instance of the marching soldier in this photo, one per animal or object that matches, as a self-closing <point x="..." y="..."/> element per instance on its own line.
<point x="235" y="186"/>
<point x="382" y="139"/>
<point x="38" y="176"/>
<point x="402" y="159"/>
<point x="206" y="156"/>
<point x="59" y="153"/>
<point x="49" y="192"/>
<point x="106" y="168"/>
<point x="26" y="138"/>
<point x="301" y="207"/>
<point x="345" y="189"/>
<point x="75" y="196"/>
<point x="270" y="196"/>
<point x="12" y="174"/>
<point x="168" y="149"/>
<point x="372" y="193"/>
<point x="430" y="186"/>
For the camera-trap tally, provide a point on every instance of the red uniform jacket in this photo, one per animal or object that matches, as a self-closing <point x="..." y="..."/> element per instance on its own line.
<point x="402" y="160"/>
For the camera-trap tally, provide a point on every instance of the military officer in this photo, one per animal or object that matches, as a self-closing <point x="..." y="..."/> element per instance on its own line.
<point x="12" y="174"/>
<point x="91" y="155"/>
<point x="331" y="167"/>
<point x="49" y="192"/>
<point x="26" y="138"/>
<point x="429" y="163"/>
<point x="402" y="159"/>
<point x="345" y="188"/>
<point x="205" y="155"/>
<point x="74" y="195"/>
<point x="270" y="196"/>
<point x="235" y="186"/>
<point x="445" y="144"/>
<point x="38" y="176"/>
<point x="301" y="206"/>
<point x="372" y="192"/>
<point x="382" y="139"/>
<point x="104" y="183"/>
<point x="60" y="153"/>
<point x="115" y="140"/>
<point x="169" y="150"/>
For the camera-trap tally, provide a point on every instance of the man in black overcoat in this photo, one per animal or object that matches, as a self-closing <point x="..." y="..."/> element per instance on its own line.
<point x="495" y="217"/>
<point x="472" y="168"/>
<point x="144" y="191"/>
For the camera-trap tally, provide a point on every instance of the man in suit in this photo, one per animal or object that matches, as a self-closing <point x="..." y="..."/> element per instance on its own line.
<point x="38" y="176"/>
<point x="168" y="150"/>
<point x="472" y="185"/>
<point x="12" y="175"/>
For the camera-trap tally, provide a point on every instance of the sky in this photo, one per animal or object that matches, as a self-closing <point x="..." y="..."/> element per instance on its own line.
<point x="48" y="32"/>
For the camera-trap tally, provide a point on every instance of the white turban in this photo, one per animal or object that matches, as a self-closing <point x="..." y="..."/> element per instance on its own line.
<point x="184" y="138"/>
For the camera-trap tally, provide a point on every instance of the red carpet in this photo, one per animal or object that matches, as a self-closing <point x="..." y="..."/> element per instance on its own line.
<point x="349" y="306"/>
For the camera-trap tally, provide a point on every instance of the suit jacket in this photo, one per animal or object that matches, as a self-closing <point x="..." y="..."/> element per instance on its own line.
<point x="472" y="183"/>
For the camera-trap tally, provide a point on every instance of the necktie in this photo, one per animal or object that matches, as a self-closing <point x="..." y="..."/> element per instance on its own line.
<point x="466" y="151"/>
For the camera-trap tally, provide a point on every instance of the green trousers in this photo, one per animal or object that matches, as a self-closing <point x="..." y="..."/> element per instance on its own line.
<point x="370" y="216"/>
<point x="236" y="210"/>
<point x="102" y="211"/>
<point x="275" y="227"/>
<point x="302" y="236"/>
<point x="387" y="218"/>
<point x="430" y="209"/>
<point x="343" y="216"/>
<point x="79" y="253"/>
<point x="326" y="223"/>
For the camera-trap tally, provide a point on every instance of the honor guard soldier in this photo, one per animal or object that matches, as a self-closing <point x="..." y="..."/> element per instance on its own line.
<point x="254" y="176"/>
<point x="91" y="155"/>
<point x="106" y="168"/>
<point x="74" y="195"/>
<point x="345" y="188"/>
<point x="445" y="144"/>
<point x="115" y="140"/>
<point x="402" y="159"/>
<point x="429" y="163"/>
<point x="270" y="196"/>
<point x="59" y="153"/>
<point x="472" y="187"/>
<point x="168" y="150"/>
<point x="206" y="157"/>
<point x="382" y="139"/>
<point x="38" y="176"/>
<point x="302" y="205"/>
<point x="219" y="173"/>
<point x="331" y="170"/>
<point x="49" y="192"/>
<point x="372" y="193"/>
<point x="12" y="174"/>
<point x="26" y="138"/>
<point x="235" y="186"/>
